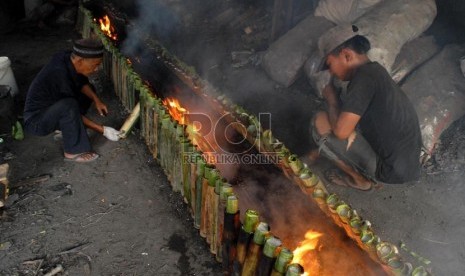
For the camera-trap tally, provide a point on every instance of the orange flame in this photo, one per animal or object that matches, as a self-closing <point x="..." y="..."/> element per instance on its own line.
<point x="302" y="254"/>
<point x="175" y="109"/>
<point x="107" y="28"/>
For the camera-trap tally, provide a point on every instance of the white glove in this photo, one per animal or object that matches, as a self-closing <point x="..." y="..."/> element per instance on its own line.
<point x="111" y="133"/>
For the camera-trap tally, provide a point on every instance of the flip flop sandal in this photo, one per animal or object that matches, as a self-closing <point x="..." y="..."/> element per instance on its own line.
<point x="79" y="158"/>
<point x="335" y="173"/>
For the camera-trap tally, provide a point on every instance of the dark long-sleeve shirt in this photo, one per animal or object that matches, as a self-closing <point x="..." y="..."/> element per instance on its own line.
<point x="57" y="80"/>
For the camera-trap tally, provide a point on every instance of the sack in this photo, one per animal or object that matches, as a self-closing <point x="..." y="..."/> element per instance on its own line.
<point x="285" y="58"/>
<point x="437" y="91"/>
<point x="393" y="23"/>
<point x="345" y="11"/>
<point x="413" y="54"/>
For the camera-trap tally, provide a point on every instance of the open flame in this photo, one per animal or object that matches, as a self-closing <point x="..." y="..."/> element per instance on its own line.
<point x="175" y="109"/>
<point x="107" y="28"/>
<point x="302" y="254"/>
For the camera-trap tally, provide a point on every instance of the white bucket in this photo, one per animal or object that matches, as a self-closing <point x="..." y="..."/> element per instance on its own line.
<point x="6" y="75"/>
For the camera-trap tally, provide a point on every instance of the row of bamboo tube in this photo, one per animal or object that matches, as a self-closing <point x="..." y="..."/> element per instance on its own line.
<point x="249" y="249"/>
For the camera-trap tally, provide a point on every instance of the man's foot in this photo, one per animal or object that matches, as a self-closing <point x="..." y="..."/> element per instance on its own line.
<point x="81" y="157"/>
<point x="339" y="178"/>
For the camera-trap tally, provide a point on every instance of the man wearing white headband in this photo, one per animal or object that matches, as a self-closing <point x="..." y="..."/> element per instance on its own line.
<point x="60" y="95"/>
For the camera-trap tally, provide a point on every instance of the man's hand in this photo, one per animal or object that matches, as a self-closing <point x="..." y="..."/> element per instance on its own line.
<point x="101" y="108"/>
<point x="111" y="133"/>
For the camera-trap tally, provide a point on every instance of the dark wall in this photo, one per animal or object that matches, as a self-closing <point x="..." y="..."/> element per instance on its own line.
<point x="10" y="12"/>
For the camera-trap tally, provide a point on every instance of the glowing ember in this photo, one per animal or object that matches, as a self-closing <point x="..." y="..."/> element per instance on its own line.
<point x="175" y="109"/>
<point x="107" y="28"/>
<point x="302" y="254"/>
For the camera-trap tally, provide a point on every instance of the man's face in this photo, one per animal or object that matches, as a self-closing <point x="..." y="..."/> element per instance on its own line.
<point x="88" y="66"/>
<point x="339" y="65"/>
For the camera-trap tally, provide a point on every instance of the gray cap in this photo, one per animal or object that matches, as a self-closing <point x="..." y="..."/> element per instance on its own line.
<point x="333" y="39"/>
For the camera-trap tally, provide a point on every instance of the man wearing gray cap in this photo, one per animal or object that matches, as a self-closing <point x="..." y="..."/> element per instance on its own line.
<point x="371" y="131"/>
<point x="60" y="95"/>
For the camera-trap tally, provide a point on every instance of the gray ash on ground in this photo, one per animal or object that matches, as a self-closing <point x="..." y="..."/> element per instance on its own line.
<point x="450" y="152"/>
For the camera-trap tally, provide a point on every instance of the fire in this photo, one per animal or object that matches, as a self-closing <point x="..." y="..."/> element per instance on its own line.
<point x="107" y="28"/>
<point x="302" y="254"/>
<point x="175" y="109"/>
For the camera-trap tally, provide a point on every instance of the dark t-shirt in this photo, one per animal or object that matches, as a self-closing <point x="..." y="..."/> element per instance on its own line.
<point x="388" y="122"/>
<point x="57" y="80"/>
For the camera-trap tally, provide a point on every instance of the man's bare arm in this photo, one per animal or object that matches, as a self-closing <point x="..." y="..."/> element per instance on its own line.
<point x="99" y="105"/>
<point x="342" y="123"/>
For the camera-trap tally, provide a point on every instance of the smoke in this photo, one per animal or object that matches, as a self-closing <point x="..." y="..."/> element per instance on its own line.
<point x="155" y="19"/>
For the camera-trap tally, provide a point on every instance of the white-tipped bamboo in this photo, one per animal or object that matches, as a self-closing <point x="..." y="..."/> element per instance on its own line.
<point x="130" y="121"/>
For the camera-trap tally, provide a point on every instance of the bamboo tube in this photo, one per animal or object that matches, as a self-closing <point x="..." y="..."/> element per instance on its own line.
<point x="198" y="193"/>
<point x="344" y="212"/>
<point x="212" y="175"/>
<point x="386" y="251"/>
<point x="295" y="164"/>
<point x="130" y="121"/>
<point x="205" y="201"/>
<point x="230" y="233"/>
<point x="280" y="266"/>
<point x="193" y="180"/>
<point x="159" y="112"/>
<point x="268" y="258"/>
<point x="164" y="145"/>
<point x="143" y="114"/>
<point x="294" y="270"/>
<point x="254" y="250"/>
<point x="243" y="241"/>
<point x="308" y="178"/>
<point x="356" y="223"/>
<point x="399" y="267"/>
<point x="214" y="213"/>
<point x="123" y="85"/>
<point x="175" y="164"/>
<point x="226" y="190"/>
<point x="155" y="131"/>
<point x="186" y="169"/>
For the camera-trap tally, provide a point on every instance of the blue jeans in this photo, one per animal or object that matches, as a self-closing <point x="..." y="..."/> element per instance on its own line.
<point x="64" y="115"/>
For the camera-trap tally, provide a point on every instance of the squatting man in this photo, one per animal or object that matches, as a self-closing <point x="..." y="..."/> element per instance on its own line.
<point x="60" y="96"/>
<point x="370" y="131"/>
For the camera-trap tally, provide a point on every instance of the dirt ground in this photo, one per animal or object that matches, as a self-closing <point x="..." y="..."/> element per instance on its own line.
<point x="118" y="216"/>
